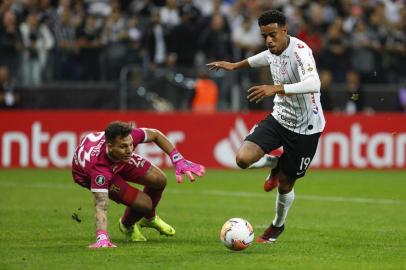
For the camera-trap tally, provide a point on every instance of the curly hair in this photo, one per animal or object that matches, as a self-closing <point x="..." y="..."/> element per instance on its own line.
<point x="272" y="16"/>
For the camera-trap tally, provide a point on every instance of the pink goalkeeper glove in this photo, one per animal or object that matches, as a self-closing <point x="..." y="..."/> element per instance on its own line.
<point x="102" y="240"/>
<point x="183" y="166"/>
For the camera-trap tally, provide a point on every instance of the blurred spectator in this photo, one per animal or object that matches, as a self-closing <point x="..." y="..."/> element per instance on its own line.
<point x="170" y="14"/>
<point x="156" y="41"/>
<point x="134" y="41"/>
<point x="145" y="8"/>
<point x="189" y="7"/>
<point x="89" y="44"/>
<point x="98" y="7"/>
<point x="335" y="56"/>
<point x="10" y="43"/>
<point x="354" y="93"/>
<point x="326" y="11"/>
<point x="395" y="49"/>
<point x="37" y="41"/>
<point x="209" y="7"/>
<point x="48" y="16"/>
<point x="392" y="10"/>
<point x="215" y="41"/>
<point x="310" y="34"/>
<point x="114" y="36"/>
<point x="6" y="5"/>
<point x="78" y="13"/>
<point x="354" y="17"/>
<point x="65" y="60"/>
<point x="46" y="13"/>
<point x="206" y="94"/>
<point x="365" y="47"/>
<point x="247" y="41"/>
<point x="294" y="16"/>
<point x="183" y="41"/>
<point x="246" y="36"/>
<point x="8" y="99"/>
<point x="217" y="10"/>
<point x="326" y="79"/>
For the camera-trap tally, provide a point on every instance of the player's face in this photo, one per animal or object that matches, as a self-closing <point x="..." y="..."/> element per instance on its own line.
<point x="122" y="148"/>
<point x="275" y="37"/>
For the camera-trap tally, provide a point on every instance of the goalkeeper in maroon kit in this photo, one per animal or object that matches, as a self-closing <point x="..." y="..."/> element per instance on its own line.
<point x="105" y="161"/>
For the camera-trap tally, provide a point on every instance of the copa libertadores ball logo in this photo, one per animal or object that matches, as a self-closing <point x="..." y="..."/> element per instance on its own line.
<point x="100" y="180"/>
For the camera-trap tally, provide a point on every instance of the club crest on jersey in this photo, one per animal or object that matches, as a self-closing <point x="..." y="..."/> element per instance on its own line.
<point x="300" y="46"/>
<point x="309" y="68"/>
<point x="100" y="180"/>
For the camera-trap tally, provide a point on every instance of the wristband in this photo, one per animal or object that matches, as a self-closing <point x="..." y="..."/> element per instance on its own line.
<point x="175" y="156"/>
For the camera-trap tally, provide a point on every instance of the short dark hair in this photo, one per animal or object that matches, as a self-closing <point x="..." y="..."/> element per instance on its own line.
<point x="117" y="129"/>
<point x="272" y="16"/>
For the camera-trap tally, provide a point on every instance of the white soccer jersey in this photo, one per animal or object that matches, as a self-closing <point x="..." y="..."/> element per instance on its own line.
<point x="298" y="112"/>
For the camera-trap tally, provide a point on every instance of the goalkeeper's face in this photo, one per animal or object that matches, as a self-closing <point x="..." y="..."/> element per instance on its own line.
<point x="121" y="148"/>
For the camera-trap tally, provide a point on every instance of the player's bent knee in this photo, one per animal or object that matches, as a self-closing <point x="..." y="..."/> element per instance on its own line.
<point x="155" y="179"/>
<point x="161" y="182"/>
<point x="242" y="162"/>
<point x="143" y="204"/>
<point x="158" y="183"/>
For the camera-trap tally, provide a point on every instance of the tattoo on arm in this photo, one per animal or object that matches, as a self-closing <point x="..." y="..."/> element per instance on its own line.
<point x="100" y="202"/>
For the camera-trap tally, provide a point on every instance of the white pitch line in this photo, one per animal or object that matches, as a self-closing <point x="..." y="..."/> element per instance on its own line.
<point x="299" y="197"/>
<point x="72" y="185"/>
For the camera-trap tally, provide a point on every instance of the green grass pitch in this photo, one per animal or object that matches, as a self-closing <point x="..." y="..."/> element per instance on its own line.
<point x="339" y="220"/>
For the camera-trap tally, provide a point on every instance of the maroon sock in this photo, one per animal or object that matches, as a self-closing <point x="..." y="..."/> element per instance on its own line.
<point x="155" y="195"/>
<point x="130" y="217"/>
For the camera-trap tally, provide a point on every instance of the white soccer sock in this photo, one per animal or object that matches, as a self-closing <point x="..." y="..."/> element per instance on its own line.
<point x="282" y="205"/>
<point x="265" y="161"/>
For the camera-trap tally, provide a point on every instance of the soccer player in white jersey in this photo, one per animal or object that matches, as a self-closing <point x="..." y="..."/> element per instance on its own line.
<point x="296" y="122"/>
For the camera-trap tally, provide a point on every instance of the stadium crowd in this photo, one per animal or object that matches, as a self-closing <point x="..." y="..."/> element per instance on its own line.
<point x="85" y="40"/>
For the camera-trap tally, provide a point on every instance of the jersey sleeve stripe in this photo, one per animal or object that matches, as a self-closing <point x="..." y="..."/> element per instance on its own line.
<point x="145" y="134"/>
<point x="99" y="190"/>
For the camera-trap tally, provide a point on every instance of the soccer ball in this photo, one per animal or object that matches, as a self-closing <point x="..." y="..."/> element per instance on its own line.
<point x="237" y="234"/>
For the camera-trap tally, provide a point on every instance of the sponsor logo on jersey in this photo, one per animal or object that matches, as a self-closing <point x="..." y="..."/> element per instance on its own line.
<point x="300" y="63"/>
<point x="114" y="188"/>
<point x="315" y="109"/>
<point x="100" y="180"/>
<point x="300" y="46"/>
